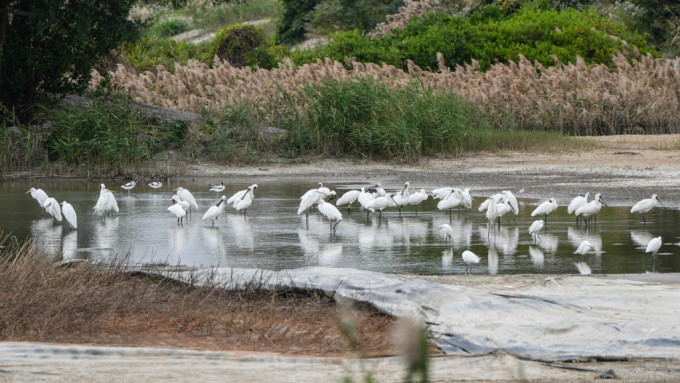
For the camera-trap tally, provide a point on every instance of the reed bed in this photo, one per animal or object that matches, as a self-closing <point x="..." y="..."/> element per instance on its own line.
<point x="634" y="96"/>
<point x="108" y="304"/>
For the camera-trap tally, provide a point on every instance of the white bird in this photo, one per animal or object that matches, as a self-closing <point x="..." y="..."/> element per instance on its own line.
<point x="536" y="227"/>
<point x="469" y="258"/>
<point x="545" y="208"/>
<point x="308" y="199"/>
<point x="577" y="202"/>
<point x="496" y="198"/>
<point x="417" y="198"/>
<point x="441" y="193"/>
<point x="583" y="268"/>
<point x="401" y="199"/>
<point x="646" y="205"/>
<point x="70" y="215"/>
<point x="467" y="198"/>
<point x="39" y="195"/>
<point x="502" y="209"/>
<point x="129" y="185"/>
<point x="179" y="209"/>
<point x="215" y="210"/>
<point x="591" y="208"/>
<point x="106" y="202"/>
<point x="379" y="204"/>
<point x="584" y="248"/>
<point x="454" y="199"/>
<point x="219" y="188"/>
<point x="52" y="207"/>
<point x="240" y="194"/>
<point x="653" y="247"/>
<point x="246" y="200"/>
<point x="331" y="212"/>
<point x="155" y="184"/>
<point x="512" y="200"/>
<point x="186" y="195"/>
<point x="491" y="213"/>
<point x="447" y="232"/>
<point x="348" y="199"/>
<point x="379" y="190"/>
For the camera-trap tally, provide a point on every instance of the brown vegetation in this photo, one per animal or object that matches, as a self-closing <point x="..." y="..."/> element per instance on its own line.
<point x="642" y="97"/>
<point x="94" y="304"/>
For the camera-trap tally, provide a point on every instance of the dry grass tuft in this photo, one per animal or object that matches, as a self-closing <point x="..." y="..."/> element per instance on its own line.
<point x="108" y="305"/>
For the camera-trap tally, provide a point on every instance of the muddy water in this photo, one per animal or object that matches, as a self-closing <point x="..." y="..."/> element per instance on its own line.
<point x="272" y="236"/>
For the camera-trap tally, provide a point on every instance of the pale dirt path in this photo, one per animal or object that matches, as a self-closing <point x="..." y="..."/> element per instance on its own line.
<point x="624" y="169"/>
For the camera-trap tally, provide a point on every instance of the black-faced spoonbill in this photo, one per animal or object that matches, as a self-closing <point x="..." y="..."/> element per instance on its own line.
<point x="576" y="203"/>
<point x="245" y="201"/>
<point x="417" y="198"/>
<point x="330" y="212"/>
<point x="348" y="199"/>
<point x="401" y="198"/>
<point x="512" y="200"/>
<point x="179" y="209"/>
<point x="469" y="258"/>
<point x="236" y="196"/>
<point x="590" y="209"/>
<point x="186" y="195"/>
<point x="545" y="208"/>
<point x="653" y="247"/>
<point x="215" y="210"/>
<point x="70" y="215"/>
<point x="535" y="228"/>
<point x="646" y="205"/>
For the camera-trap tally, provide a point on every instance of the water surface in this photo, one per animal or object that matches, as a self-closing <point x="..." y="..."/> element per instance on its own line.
<point x="272" y="236"/>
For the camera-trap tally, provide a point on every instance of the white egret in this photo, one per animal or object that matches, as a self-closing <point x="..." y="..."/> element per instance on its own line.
<point x="70" y="215"/>
<point x="467" y="198"/>
<point x="218" y="188"/>
<point x="348" y="199"/>
<point x="447" y="232"/>
<point x="106" y="202"/>
<point x="491" y="213"/>
<point x="512" y="200"/>
<point x="186" y="195"/>
<point x="591" y="208"/>
<point x="583" y="268"/>
<point x="417" y="198"/>
<point x="535" y="228"/>
<point x="39" y="195"/>
<point x="331" y="212"/>
<point x="365" y="199"/>
<point x="584" y="248"/>
<point x="52" y="208"/>
<point x="646" y="205"/>
<point x="653" y="247"/>
<point x="129" y="185"/>
<point x="155" y="184"/>
<point x="469" y="258"/>
<point x="545" y="208"/>
<point x="401" y="199"/>
<point x="245" y="201"/>
<point x="577" y="202"/>
<point x="215" y="210"/>
<point x="179" y="209"/>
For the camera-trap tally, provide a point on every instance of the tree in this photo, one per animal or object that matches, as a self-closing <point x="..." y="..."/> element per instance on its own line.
<point x="50" y="46"/>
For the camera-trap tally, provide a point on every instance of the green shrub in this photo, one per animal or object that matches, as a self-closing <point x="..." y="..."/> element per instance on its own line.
<point x="488" y="36"/>
<point x="169" y="26"/>
<point x="147" y="53"/>
<point x="296" y="13"/>
<point x="243" y="45"/>
<point x="344" y="15"/>
<point x="109" y="131"/>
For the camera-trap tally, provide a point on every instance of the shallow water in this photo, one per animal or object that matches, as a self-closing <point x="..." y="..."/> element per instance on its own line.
<point x="272" y="236"/>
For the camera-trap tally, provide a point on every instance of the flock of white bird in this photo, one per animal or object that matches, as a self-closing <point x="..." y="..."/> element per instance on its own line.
<point x="372" y="199"/>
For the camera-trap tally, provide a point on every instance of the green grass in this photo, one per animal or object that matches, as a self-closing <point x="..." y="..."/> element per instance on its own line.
<point x="235" y="13"/>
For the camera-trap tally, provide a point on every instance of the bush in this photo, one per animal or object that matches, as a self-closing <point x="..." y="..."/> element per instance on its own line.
<point x="488" y="36"/>
<point x="110" y="132"/>
<point x="344" y="15"/>
<point x="147" y="53"/>
<point x="296" y="13"/>
<point x="169" y="26"/>
<point x="243" y="45"/>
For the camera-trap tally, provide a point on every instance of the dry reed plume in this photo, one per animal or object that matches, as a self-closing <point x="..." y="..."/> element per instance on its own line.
<point x="638" y="97"/>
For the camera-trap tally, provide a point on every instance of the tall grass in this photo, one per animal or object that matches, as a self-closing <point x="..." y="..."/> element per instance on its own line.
<point x="208" y="15"/>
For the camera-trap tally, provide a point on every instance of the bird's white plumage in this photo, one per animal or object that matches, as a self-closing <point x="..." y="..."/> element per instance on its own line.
<point x="106" y="202"/>
<point x="218" y="188"/>
<point x="441" y="193"/>
<point x="155" y="184"/>
<point x="646" y="205"/>
<point x="447" y="232"/>
<point x="364" y="198"/>
<point x="545" y="208"/>
<point x="178" y="210"/>
<point x="329" y="211"/>
<point x="417" y="197"/>
<point x="401" y="198"/>
<point x="467" y="198"/>
<point x="496" y="198"/>
<point x="39" y="195"/>
<point x="654" y="245"/>
<point x="70" y="214"/>
<point x="491" y="211"/>
<point x="584" y="248"/>
<point x="184" y="204"/>
<point x="454" y="199"/>
<point x="246" y="200"/>
<point x="512" y="201"/>
<point x="577" y="202"/>
<point x="215" y="210"/>
<point x="52" y="207"/>
<point x="129" y="185"/>
<point x="308" y="199"/>
<point x="470" y="257"/>
<point x="186" y="195"/>
<point x="591" y="208"/>
<point x="503" y="208"/>
<point x="536" y="227"/>
<point x="379" y="203"/>
<point x="236" y="196"/>
<point x="348" y="198"/>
